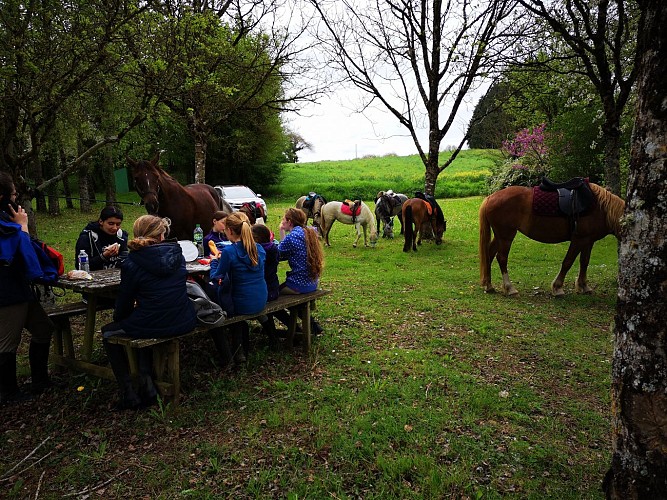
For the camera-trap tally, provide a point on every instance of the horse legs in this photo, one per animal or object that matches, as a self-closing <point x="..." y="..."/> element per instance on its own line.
<point x="400" y="219"/>
<point x="492" y="252"/>
<point x="325" y="230"/>
<point x="570" y="257"/>
<point x="581" y="284"/>
<point x="358" y="230"/>
<point x="503" y="249"/>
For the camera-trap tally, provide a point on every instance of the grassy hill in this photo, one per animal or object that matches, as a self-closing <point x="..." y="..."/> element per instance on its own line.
<point x="364" y="177"/>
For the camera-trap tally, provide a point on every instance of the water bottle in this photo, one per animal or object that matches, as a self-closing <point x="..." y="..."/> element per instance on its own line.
<point x="198" y="237"/>
<point x="84" y="265"/>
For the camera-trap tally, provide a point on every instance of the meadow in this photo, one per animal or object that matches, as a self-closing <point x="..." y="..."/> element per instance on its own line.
<point x="422" y="386"/>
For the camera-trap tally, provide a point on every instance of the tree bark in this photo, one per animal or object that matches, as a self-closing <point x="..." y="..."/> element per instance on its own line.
<point x="639" y="369"/>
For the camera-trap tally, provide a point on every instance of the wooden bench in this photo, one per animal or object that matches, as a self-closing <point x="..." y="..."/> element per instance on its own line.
<point x="60" y="314"/>
<point x="166" y="350"/>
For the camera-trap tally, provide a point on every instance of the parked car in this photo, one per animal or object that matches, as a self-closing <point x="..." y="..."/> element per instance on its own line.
<point x="236" y="196"/>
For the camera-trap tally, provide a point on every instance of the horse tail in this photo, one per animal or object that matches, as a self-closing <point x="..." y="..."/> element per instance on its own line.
<point x="407" y="225"/>
<point x="484" y="243"/>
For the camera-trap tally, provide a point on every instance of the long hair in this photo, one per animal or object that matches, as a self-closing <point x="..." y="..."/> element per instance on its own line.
<point x="239" y="224"/>
<point x="147" y="230"/>
<point x="314" y="253"/>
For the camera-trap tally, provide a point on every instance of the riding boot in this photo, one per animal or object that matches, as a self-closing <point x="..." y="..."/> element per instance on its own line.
<point x="38" y="356"/>
<point x="315" y="327"/>
<point x="147" y="390"/>
<point x="269" y="329"/>
<point x="225" y="357"/>
<point x="240" y="342"/>
<point x="9" y="389"/>
<point x="129" y="400"/>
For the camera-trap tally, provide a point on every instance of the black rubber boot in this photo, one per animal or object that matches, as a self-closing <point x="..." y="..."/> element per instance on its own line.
<point x="269" y="329"/>
<point x="38" y="355"/>
<point x="315" y="328"/>
<point x="128" y="397"/>
<point x="225" y="357"/>
<point x="147" y="390"/>
<point x="240" y="342"/>
<point x="9" y="389"/>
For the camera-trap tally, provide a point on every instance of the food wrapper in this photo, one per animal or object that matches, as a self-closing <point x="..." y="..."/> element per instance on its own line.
<point x="79" y="275"/>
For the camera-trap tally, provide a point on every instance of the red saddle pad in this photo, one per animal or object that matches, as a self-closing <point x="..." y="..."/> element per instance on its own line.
<point x="545" y="202"/>
<point x="345" y="208"/>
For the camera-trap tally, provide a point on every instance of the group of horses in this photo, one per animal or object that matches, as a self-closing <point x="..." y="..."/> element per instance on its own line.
<point x="501" y="216"/>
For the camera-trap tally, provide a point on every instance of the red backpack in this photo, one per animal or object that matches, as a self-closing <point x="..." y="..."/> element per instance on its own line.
<point x="51" y="261"/>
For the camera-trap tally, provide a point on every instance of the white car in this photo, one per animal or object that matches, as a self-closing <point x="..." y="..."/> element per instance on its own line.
<point x="236" y="196"/>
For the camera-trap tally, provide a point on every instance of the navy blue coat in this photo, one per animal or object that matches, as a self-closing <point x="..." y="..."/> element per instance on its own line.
<point x="154" y="277"/>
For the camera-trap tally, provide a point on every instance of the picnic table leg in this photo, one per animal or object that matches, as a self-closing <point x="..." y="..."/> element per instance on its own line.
<point x="291" y="327"/>
<point x="89" y="329"/>
<point x="305" y="326"/>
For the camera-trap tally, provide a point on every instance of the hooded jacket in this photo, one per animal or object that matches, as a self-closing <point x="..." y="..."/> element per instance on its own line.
<point x="249" y="291"/>
<point x="154" y="277"/>
<point x="93" y="240"/>
<point x="18" y="264"/>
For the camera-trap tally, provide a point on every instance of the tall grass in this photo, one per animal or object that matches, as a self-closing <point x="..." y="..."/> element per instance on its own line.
<point x="421" y="387"/>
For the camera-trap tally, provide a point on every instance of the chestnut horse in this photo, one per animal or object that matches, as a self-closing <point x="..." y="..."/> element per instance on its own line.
<point x="510" y="210"/>
<point x="254" y="211"/>
<point x="184" y="206"/>
<point x="416" y="212"/>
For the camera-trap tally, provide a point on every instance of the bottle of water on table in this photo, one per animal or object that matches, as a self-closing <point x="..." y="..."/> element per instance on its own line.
<point x="84" y="265"/>
<point x="198" y="237"/>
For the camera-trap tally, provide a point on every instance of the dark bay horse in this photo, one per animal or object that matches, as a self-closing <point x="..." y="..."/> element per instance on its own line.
<point x="185" y="206"/>
<point x="312" y="205"/>
<point x="416" y="212"/>
<point x="511" y="209"/>
<point x="254" y="211"/>
<point x="387" y="205"/>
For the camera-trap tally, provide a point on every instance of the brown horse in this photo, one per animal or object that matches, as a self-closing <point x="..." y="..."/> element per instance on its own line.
<point x="511" y="209"/>
<point x="184" y="206"/>
<point x="416" y="212"/>
<point x="254" y="211"/>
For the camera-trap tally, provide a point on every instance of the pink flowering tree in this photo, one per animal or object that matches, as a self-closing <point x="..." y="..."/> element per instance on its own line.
<point x="526" y="159"/>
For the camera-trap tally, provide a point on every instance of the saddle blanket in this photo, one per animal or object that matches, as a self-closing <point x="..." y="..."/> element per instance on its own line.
<point x="348" y="211"/>
<point x="545" y="202"/>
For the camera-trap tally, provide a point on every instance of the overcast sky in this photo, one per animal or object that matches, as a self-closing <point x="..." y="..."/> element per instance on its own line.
<point x="336" y="132"/>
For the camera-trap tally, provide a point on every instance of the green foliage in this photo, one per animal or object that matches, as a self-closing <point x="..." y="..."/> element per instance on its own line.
<point x="491" y="124"/>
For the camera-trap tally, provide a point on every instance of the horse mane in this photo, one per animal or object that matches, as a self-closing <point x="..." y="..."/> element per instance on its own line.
<point x="611" y="205"/>
<point x="440" y="216"/>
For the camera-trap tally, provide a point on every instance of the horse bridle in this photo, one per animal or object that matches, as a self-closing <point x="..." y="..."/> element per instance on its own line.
<point x="155" y="192"/>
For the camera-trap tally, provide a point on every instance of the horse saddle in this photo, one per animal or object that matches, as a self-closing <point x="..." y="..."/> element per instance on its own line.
<point x="351" y="207"/>
<point x="430" y="202"/>
<point x="568" y="198"/>
<point x="309" y="202"/>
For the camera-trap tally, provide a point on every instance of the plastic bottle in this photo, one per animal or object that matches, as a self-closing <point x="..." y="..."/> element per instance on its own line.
<point x="198" y="237"/>
<point x="84" y="265"/>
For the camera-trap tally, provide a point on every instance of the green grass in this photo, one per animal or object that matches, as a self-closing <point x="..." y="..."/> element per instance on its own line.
<point x="363" y="178"/>
<point x="421" y="387"/>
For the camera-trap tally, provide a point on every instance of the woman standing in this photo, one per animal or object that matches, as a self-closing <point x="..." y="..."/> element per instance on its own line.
<point x="243" y="261"/>
<point x="152" y="302"/>
<point x="300" y="246"/>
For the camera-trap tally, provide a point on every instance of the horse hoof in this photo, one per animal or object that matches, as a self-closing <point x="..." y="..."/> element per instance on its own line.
<point x="558" y="292"/>
<point x="511" y="292"/>
<point x="490" y="290"/>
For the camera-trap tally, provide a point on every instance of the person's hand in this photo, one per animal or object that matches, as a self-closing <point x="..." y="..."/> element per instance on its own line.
<point x="111" y="251"/>
<point x="19" y="217"/>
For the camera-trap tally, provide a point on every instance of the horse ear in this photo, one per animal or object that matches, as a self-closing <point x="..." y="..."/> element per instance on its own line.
<point x="156" y="158"/>
<point x="132" y="163"/>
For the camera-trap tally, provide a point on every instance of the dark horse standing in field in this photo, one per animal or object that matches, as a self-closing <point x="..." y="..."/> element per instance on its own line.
<point x="184" y="206"/>
<point x="254" y="211"/>
<point x="511" y="209"/>
<point x="387" y="205"/>
<point x="421" y="213"/>
<point x="312" y="205"/>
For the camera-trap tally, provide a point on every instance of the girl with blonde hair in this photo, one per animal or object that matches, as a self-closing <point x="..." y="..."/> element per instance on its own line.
<point x="243" y="262"/>
<point x="152" y="302"/>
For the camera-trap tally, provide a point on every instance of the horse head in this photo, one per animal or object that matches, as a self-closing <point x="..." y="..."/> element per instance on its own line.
<point x="388" y="231"/>
<point x="146" y="177"/>
<point x="439" y="226"/>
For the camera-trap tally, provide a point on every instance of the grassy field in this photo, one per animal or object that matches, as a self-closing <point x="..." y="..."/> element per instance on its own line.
<point x="421" y="387"/>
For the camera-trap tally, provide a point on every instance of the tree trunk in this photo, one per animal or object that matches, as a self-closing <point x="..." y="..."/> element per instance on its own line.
<point x="611" y="133"/>
<point x="200" y="136"/>
<point x="109" y="179"/>
<point x="639" y="369"/>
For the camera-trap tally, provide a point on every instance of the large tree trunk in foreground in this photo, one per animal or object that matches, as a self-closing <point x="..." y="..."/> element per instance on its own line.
<point x="639" y="370"/>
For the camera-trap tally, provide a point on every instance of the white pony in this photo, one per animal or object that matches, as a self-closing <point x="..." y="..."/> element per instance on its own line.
<point x="331" y="212"/>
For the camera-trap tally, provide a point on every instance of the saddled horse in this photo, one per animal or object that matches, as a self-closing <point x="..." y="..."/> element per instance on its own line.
<point x="388" y="205"/>
<point x="511" y="209"/>
<point x="331" y="212"/>
<point x="420" y="213"/>
<point x="254" y="211"/>
<point x="312" y="206"/>
<point x="185" y="206"/>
